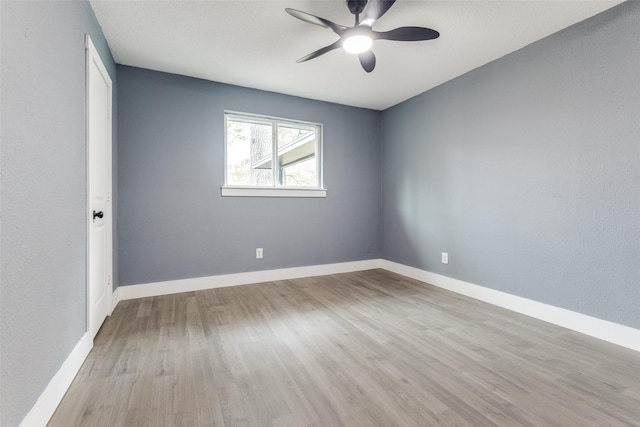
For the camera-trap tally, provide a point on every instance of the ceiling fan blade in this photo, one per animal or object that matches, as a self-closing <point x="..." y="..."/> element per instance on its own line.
<point x="312" y="19"/>
<point x="322" y="51"/>
<point x="368" y="61"/>
<point x="407" y="34"/>
<point x="375" y="9"/>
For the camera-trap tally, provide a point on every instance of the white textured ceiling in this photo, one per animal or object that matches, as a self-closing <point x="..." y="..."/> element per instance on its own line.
<point x="254" y="43"/>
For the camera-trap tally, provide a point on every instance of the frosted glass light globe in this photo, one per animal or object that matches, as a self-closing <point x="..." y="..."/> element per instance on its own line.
<point x="357" y="44"/>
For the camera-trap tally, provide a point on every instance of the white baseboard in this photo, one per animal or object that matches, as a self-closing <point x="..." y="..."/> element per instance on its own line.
<point x="615" y="333"/>
<point x="608" y="331"/>
<point x="212" y="282"/>
<point x="114" y="300"/>
<point x="50" y="398"/>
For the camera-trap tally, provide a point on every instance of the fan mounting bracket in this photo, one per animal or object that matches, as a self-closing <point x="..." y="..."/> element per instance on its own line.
<point x="356" y="6"/>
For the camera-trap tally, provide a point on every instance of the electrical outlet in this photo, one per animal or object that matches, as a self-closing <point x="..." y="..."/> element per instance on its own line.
<point x="259" y="253"/>
<point x="368" y="249"/>
<point x="445" y="258"/>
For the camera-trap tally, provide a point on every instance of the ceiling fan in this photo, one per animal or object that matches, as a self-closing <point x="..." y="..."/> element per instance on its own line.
<point x="359" y="38"/>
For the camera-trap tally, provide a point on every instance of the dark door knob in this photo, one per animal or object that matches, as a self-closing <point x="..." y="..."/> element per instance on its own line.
<point x="97" y="214"/>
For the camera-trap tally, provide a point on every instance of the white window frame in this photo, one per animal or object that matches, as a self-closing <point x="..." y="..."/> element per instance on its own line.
<point x="276" y="190"/>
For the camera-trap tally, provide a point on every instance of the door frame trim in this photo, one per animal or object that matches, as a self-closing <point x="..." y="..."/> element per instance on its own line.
<point x="91" y="54"/>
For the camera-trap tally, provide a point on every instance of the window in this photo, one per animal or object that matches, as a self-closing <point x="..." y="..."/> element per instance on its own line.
<point x="265" y="156"/>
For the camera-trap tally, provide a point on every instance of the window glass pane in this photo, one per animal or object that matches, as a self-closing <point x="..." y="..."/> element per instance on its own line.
<point x="249" y="153"/>
<point x="297" y="163"/>
<point x="289" y="132"/>
<point x="302" y="174"/>
<point x="269" y="152"/>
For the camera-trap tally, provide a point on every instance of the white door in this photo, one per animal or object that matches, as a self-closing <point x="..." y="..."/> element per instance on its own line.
<point x="99" y="190"/>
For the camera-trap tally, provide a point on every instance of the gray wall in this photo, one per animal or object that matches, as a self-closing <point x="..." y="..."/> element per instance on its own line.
<point x="173" y="222"/>
<point x="43" y="224"/>
<point x="527" y="172"/>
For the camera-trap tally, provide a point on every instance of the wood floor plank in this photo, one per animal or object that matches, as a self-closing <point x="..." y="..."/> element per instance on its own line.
<point x="367" y="348"/>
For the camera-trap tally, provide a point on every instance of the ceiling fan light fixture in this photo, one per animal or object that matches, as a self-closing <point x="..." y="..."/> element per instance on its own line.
<point x="357" y="44"/>
<point x="359" y="38"/>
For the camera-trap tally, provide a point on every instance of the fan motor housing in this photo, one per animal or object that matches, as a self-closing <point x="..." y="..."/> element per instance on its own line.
<point x="356" y="6"/>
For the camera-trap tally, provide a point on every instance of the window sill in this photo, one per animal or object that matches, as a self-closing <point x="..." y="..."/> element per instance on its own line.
<point x="272" y="192"/>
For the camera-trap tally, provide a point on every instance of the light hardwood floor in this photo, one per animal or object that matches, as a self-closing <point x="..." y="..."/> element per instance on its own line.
<point x="359" y="349"/>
